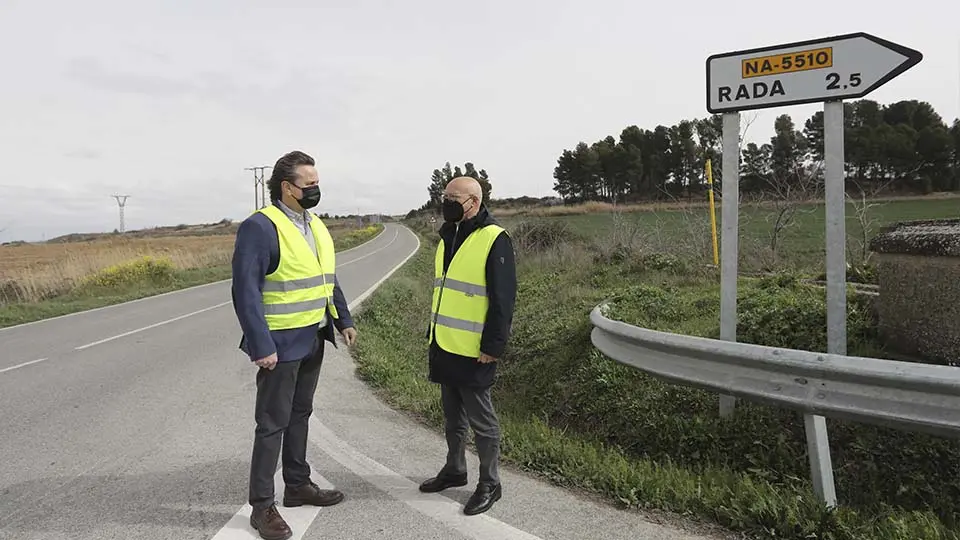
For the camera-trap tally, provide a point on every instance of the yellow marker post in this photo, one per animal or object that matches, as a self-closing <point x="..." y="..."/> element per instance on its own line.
<point x="713" y="214"/>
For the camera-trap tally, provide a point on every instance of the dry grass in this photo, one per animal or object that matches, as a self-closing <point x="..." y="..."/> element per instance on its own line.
<point x="36" y="272"/>
<point x="33" y="272"/>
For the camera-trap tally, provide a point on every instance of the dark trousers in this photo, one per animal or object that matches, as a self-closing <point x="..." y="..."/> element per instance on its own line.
<point x="282" y="413"/>
<point x="465" y="407"/>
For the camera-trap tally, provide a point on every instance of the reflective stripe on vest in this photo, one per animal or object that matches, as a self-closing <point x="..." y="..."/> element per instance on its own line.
<point x="299" y="292"/>
<point x="460" y="296"/>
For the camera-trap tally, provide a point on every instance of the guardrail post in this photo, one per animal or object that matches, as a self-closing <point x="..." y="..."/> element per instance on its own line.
<point x="730" y="200"/>
<point x="821" y="466"/>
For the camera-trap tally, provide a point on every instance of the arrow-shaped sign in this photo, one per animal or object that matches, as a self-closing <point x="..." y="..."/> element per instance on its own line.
<point x="840" y="67"/>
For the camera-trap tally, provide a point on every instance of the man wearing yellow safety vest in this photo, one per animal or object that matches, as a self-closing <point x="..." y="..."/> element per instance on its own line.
<point x="288" y="300"/>
<point x="474" y="293"/>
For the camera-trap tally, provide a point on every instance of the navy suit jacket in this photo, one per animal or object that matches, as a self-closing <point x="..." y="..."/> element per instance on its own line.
<point x="256" y="253"/>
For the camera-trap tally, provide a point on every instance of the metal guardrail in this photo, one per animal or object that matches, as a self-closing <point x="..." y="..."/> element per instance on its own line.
<point x="903" y="395"/>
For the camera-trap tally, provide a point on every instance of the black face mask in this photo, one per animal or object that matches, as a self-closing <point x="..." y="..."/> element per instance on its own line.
<point x="310" y="198"/>
<point x="452" y="211"/>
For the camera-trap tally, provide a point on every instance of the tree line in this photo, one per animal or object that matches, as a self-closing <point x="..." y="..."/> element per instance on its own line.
<point x="442" y="176"/>
<point x="904" y="147"/>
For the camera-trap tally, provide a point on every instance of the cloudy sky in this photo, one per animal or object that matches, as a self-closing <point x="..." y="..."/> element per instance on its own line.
<point x="168" y="101"/>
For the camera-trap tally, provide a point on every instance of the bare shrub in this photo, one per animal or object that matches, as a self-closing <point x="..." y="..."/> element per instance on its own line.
<point x="683" y="232"/>
<point x="622" y="241"/>
<point x="788" y="196"/>
<point x="684" y="235"/>
<point x="864" y="202"/>
<point x="542" y="235"/>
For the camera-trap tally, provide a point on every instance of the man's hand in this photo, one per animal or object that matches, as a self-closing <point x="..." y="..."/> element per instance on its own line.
<point x="486" y="358"/>
<point x="269" y="362"/>
<point x="350" y="336"/>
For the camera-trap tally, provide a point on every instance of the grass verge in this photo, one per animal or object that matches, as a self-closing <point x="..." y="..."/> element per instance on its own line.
<point x="142" y="277"/>
<point x="583" y="421"/>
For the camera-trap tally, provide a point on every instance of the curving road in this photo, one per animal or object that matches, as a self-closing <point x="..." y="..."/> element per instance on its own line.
<point x="136" y="421"/>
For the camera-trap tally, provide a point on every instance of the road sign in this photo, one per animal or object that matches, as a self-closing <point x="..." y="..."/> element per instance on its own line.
<point x="834" y="68"/>
<point x="828" y="70"/>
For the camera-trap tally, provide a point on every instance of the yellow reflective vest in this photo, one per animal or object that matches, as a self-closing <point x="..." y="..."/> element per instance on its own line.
<point x="299" y="292"/>
<point x="460" y="295"/>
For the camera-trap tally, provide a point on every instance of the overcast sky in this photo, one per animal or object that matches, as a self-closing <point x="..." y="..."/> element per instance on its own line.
<point x="168" y="101"/>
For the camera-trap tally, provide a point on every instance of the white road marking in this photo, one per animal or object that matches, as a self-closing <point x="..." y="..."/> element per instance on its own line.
<point x="432" y="505"/>
<point x="299" y="518"/>
<point x="372" y="253"/>
<point x="178" y="291"/>
<point x="161" y="323"/>
<point x="363" y="296"/>
<point x="99" y="342"/>
<point x="102" y="308"/>
<point x="18" y="366"/>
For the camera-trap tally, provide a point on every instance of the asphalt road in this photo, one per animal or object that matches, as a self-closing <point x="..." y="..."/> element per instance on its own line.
<point x="136" y="421"/>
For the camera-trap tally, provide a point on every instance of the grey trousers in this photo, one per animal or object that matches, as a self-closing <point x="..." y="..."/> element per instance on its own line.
<point x="471" y="407"/>
<point x="282" y="413"/>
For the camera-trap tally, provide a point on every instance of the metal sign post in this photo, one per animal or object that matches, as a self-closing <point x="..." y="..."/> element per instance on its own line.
<point x="730" y="250"/>
<point x="826" y="70"/>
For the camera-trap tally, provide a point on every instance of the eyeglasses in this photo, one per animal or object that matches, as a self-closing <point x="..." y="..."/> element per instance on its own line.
<point x="294" y="184"/>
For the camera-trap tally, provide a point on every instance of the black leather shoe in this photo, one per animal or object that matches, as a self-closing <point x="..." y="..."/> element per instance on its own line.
<point x="482" y="499"/>
<point x="442" y="482"/>
<point x="311" y="494"/>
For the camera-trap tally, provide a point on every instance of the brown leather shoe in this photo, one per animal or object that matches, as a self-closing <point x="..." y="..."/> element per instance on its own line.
<point x="311" y="494"/>
<point x="270" y="524"/>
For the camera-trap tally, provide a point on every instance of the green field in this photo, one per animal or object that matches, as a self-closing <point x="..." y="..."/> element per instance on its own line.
<point x="582" y="420"/>
<point x="801" y="242"/>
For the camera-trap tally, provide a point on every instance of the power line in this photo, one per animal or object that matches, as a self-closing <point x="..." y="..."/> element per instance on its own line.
<point x="259" y="186"/>
<point x="121" y="202"/>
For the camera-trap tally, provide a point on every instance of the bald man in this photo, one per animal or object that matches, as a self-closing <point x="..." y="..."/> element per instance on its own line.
<point x="474" y="293"/>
